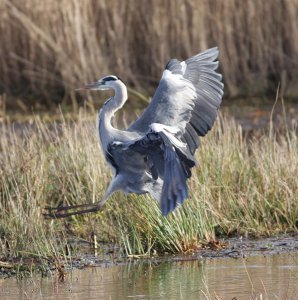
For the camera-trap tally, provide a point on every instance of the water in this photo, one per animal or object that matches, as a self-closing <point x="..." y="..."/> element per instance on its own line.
<point x="270" y="277"/>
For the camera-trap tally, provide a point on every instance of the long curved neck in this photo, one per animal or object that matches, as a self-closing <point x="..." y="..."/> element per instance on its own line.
<point x="107" y="132"/>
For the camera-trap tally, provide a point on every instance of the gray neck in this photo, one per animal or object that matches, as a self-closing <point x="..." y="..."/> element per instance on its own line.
<point x="107" y="132"/>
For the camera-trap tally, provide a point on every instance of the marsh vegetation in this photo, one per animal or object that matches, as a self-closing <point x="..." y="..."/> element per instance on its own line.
<point x="243" y="186"/>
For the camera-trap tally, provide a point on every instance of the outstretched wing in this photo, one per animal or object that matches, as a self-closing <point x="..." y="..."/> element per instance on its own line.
<point x="188" y="97"/>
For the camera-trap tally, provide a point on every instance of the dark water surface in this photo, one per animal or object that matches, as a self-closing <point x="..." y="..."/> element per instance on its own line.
<point x="259" y="277"/>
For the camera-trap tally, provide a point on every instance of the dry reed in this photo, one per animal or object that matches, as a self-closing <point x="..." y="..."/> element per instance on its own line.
<point x="50" y="47"/>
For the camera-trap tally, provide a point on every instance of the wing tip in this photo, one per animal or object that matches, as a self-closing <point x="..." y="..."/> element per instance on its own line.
<point x="210" y="54"/>
<point x="212" y="50"/>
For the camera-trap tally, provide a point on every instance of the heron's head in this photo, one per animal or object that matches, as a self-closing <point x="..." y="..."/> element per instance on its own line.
<point x="106" y="83"/>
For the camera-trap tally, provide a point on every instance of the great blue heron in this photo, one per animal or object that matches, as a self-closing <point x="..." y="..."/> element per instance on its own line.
<point x="156" y="153"/>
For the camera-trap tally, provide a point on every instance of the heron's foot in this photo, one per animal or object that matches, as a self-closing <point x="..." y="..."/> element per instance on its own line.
<point x="66" y="211"/>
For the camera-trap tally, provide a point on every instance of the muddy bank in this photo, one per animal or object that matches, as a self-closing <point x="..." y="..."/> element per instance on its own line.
<point x="241" y="247"/>
<point x="109" y="255"/>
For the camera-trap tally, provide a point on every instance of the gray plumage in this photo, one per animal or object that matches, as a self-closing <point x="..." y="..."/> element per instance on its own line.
<point x="156" y="158"/>
<point x="156" y="153"/>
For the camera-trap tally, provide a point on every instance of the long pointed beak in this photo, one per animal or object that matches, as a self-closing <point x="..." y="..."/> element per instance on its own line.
<point x="90" y="86"/>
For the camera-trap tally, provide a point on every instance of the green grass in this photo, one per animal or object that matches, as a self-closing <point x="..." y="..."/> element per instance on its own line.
<point x="243" y="186"/>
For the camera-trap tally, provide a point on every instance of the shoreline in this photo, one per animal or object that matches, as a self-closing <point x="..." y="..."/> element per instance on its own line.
<point x="234" y="248"/>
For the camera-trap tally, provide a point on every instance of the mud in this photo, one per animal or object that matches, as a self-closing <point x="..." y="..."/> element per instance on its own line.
<point x="108" y="255"/>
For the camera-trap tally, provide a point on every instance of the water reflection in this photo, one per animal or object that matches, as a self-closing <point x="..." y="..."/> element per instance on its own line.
<point x="275" y="277"/>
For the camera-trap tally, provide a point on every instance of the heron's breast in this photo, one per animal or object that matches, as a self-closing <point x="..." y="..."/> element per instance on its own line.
<point x="125" y="159"/>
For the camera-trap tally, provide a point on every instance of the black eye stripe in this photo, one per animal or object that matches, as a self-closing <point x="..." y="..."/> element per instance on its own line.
<point x="110" y="78"/>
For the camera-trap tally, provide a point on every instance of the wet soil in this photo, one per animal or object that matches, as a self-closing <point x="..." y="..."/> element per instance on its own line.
<point x="243" y="247"/>
<point x="109" y="255"/>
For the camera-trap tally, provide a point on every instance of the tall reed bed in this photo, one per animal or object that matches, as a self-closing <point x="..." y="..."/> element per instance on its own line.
<point x="241" y="186"/>
<point x="48" y="48"/>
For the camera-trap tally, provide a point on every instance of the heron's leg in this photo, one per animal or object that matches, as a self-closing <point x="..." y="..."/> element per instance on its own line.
<point x="66" y="211"/>
<point x="61" y="208"/>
